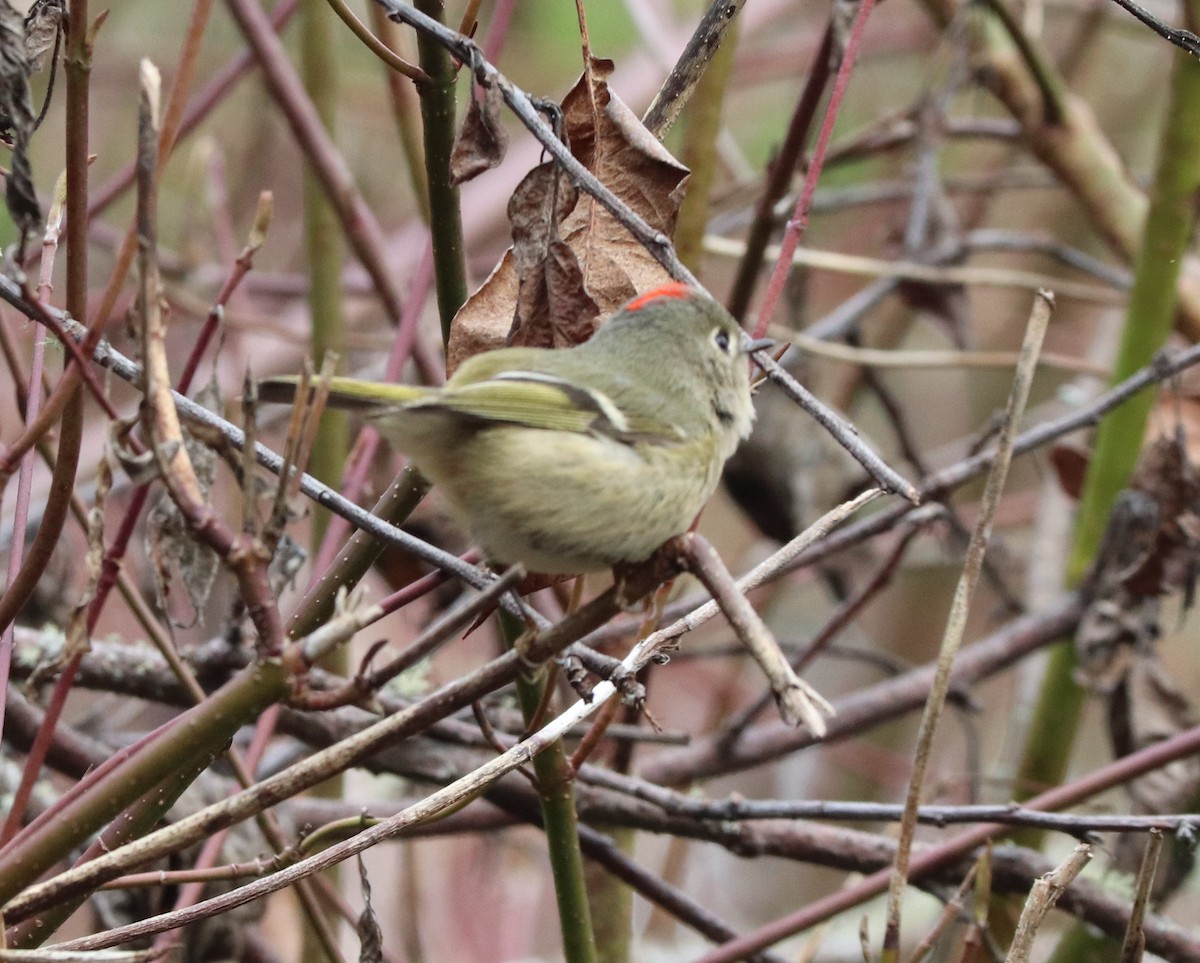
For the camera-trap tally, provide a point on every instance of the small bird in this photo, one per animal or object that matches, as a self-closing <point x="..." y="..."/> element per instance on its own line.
<point x="574" y="460"/>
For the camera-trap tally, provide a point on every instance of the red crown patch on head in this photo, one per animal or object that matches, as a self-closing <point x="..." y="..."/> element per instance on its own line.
<point x="676" y="289"/>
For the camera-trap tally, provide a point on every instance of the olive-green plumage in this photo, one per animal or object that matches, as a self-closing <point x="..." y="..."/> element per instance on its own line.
<point x="574" y="460"/>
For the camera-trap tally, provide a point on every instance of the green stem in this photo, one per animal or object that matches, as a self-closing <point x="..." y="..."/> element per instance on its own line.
<point x="324" y="243"/>
<point x="556" y="793"/>
<point x="1149" y="319"/>
<point x="139" y="819"/>
<point x="611" y="899"/>
<point x="437" y="112"/>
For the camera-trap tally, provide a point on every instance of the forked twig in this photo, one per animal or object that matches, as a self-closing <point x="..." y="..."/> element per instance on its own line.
<point x="799" y="703"/>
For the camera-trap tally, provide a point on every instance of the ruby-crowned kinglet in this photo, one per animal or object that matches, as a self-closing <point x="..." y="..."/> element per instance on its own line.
<point x="574" y="460"/>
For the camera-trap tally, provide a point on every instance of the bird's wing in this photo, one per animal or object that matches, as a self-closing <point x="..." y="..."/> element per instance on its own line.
<point x="535" y="399"/>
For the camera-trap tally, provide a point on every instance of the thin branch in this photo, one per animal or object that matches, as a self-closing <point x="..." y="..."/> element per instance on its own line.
<point x="799" y="703"/>
<point x="1133" y="946"/>
<point x="779" y="176"/>
<point x="799" y="219"/>
<point x="956" y="622"/>
<point x="917" y="271"/>
<point x="845" y="434"/>
<point x="1046" y="892"/>
<point x="377" y="46"/>
<point x="1183" y="39"/>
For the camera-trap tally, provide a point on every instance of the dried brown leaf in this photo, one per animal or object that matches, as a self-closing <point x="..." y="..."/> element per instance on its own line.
<point x="1069" y="461"/>
<point x="631" y="162"/>
<point x="78" y="642"/>
<point x="553" y="307"/>
<point x="370" y="936"/>
<point x="612" y="265"/>
<point x="1147" y="708"/>
<point x="1150" y="549"/>
<point x="482" y="141"/>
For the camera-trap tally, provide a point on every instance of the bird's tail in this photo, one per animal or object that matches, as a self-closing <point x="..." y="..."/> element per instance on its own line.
<point x="345" y="393"/>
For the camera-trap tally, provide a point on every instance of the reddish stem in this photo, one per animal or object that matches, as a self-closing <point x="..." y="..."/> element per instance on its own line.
<point x="799" y="221"/>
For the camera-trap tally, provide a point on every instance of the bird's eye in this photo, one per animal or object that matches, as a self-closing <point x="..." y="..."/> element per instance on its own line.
<point x="721" y="339"/>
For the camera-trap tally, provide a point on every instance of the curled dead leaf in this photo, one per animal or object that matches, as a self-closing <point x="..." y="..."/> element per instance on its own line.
<point x="17" y="118"/>
<point x="482" y="141"/>
<point x="1148" y="707"/>
<point x="537" y="294"/>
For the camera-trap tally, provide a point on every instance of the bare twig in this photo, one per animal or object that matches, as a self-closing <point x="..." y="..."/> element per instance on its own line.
<point x="932" y="273"/>
<point x="1133" y="946"/>
<point x="799" y="703"/>
<point x="779" y="176"/>
<point x="799" y="219"/>
<point x="1046" y="892"/>
<point x="957" y="620"/>
<point x="847" y="436"/>
<point x="950" y="912"/>
<point x="840" y="619"/>
<point x="762" y="573"/>
<point x="900" y="358"/>
<point x="377" y="46"/>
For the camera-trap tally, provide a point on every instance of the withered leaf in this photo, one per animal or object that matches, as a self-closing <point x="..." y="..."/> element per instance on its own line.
<point x="1149" y="551"/>
<point x="553" y="308"/>
<point x="1070" y="463"/>
<point x="17" y="118"/>
<point x="1148" y="707"/>
<point x="370" y="936"/>
<point x="537" y="207"/>
<point x="482" y="141"/>
<point x="78" y="642"/>
<point x="171" y="545"/>
<point x="44" y="24"/>
<point x="613" y="266"/>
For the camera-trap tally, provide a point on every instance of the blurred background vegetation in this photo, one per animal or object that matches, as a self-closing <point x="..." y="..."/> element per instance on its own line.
<point x="927" y="149"/>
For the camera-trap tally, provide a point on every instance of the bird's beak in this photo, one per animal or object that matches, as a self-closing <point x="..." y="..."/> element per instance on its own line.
<point x="762" y="344"/>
